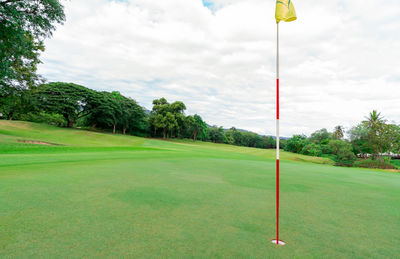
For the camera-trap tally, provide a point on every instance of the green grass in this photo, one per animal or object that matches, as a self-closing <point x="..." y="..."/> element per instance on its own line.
<point x="100" y="195"/>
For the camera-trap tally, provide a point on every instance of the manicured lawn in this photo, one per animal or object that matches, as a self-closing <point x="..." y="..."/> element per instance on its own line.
<point x="99" y="195"/>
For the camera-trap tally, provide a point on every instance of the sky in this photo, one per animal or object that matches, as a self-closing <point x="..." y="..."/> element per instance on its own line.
<point x="338" y="61"/>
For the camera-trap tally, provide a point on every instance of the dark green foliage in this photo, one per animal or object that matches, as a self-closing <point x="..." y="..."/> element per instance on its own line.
<point x="24" y="24"/>
<point x="321" y="143"/>
<point x="14" y="101"/>
<point x="371" y="137"/>
<point x="43" y="117"/>
<point x="321" y="136"/>
<point x="115" y="111"/>
<point x="237" y="137"/>
<point x="107" y="110"/>
<point x="216" y="134"/>
<point x="169" y="118"/>
<point x="359" y="139"/>
<point x="70" y="100"/>
<point x="374" y="136"/>
<point x="396" y="163"/>
<point x="345" y="157"/>
<point x="296" y="143"/>
<point x="375" y="132"/>
<point x="195" y="127"/>
<point x="312" y="149"/>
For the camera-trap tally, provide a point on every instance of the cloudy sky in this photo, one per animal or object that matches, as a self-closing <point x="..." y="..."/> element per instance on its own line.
<point x="339" y="60"/>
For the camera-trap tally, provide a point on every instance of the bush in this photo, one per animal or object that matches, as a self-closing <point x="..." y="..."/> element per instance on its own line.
<point x="296" y="143"/>
<point x="395" y="163"/>
<point x="326" y="149"/>
<point x="43" y="117"/>
<point x="369" y="163"/>
<point x="312" y="150"/>
<point x="345" y="157"/>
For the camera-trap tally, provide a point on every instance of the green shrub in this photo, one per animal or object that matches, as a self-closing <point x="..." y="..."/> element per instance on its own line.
<point x="395" y="163"/>
<point x="345" y="157"/>
<point x="296" y="143"/>
<point x="369" y="163"/>
<point x="312" y="150"/>
<point x="43" y="117"/>
<point x="326" y="149"/>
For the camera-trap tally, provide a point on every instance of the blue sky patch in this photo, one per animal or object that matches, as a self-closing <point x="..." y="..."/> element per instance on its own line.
<point x="207" y="3"/>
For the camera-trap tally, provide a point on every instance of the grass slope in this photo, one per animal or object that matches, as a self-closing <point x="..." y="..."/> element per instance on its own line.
<point x="121" y="196"/>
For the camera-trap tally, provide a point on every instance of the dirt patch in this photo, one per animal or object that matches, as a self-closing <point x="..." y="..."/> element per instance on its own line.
<point x="392" y="170"/>
<point x="37" y="142"/>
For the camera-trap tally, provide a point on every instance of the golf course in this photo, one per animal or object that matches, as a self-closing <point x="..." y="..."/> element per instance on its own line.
<point x="76" y="193"/>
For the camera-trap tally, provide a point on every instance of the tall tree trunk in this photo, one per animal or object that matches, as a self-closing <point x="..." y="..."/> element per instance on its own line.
<point x="114" y="129"/>
<point x="124" y="130"/>
<point x="164" y="134"/>
<point x="70" y="123"/>
<point x="10" y="116"/>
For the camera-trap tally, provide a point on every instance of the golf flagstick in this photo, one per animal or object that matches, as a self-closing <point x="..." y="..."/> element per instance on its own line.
<point x="277" y="133"/>
<point x="284" y="12"/>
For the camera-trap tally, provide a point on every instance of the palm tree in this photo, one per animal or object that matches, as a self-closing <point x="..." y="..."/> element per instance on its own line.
<point x="374" y="121"/>
<point x="338" y="132"/>
<point x="375" y="124"/>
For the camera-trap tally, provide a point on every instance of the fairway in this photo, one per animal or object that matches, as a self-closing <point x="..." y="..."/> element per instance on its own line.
<point x="103" y="195"/>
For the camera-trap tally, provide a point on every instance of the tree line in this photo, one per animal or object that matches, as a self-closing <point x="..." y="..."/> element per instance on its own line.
<point x="371" y="143"/>
<point x="72" y="105"/>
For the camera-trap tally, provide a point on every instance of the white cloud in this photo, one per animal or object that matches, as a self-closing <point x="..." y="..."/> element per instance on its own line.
<point x="339" y="60"/>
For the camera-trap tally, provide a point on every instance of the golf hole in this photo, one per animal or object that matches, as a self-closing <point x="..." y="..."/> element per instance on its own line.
<point x="280" y="242"/>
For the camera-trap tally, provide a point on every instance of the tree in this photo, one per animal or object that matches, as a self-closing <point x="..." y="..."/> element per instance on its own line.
<point x="24" y="24"/>
<point x="216" y="134"/>
<point x="170" y="123"/>
<point x="113" y="110"/>
<point x="390" y="138"/>
<point x="14" y="101"/>
<point x="312" y="149"/>
<point x="345" y="157"/>
<point x="338" y="132"/>
<point x="296" y="143"/>
<point x="375" y="124"/>
<point x="321" y="136"/>
<point x="199" y="127"/>
<point x="396" y="142"/>
<point x="157" y="121"/>
<point x="359" y="139"/>
<point x="167" y="116"/>
<point x="236" y="137"/>
<point x="70" y="100"/>
<point x="342" y="151"/>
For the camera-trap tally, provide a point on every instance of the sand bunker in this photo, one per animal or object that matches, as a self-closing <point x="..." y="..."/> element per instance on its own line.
<point x="37" y="142"/>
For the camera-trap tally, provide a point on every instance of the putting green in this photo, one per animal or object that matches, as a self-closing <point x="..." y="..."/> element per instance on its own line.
<point x="120" y="196"/>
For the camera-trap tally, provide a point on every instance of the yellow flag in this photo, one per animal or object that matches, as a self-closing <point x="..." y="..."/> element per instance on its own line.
<point x="285" y="11"/>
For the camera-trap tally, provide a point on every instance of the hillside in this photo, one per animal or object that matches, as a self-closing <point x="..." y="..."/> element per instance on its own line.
<point x="14" y="133"/>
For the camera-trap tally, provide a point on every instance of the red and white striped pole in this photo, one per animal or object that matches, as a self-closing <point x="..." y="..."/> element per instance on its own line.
<point x="277" y="135"/>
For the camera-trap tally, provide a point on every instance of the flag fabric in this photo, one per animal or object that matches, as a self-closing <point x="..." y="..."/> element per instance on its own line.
<point x="285" y="11"/>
